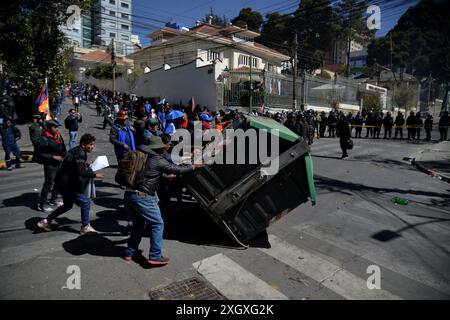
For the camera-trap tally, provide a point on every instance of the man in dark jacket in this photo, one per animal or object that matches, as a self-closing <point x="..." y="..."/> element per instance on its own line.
<point x="71" y="123"/>
<point x="10" y="134"/>
<point x="358" y="123"/>
<point x="343" y="130"/>
<point x="377" y="123"/>
<point x="72" y="180"/>
<point x="418" y="125"/>
<point x="444" y="123"/>
<point x="399" y="123"/>
<point x="143" y="202"/>
<point x="387" y="124"/>
<point x="411" y="125"/>
<point x="35" y="129"/>
<point x="428" y="126"/>
<point x="50" y="151"/>
<point x="368" y="123"/>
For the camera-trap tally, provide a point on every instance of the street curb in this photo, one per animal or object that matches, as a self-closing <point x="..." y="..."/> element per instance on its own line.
<point x="429" y="172"/>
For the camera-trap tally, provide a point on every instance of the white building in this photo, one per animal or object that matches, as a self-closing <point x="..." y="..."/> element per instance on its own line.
<point x="111" y="19"/>
<point x="183" y="63"/>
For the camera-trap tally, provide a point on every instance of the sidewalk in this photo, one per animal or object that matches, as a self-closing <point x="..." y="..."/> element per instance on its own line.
<point x="435" y="161"/>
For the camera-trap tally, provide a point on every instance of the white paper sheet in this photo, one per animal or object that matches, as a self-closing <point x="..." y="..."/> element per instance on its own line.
<point x="100" y="163"/>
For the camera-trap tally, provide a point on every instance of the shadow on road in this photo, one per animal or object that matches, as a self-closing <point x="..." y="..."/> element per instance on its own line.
<point x="29" y="199"/>
<point x="96" y="245"/>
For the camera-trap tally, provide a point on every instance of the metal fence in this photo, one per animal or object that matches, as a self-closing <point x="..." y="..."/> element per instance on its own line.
<point x="276" y="90"/>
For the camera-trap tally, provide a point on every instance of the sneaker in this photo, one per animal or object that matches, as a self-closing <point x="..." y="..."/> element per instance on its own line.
<point x="19" y="165"/>
<point x="87" y="230"/>
<point x="9" y="168"/>
<point x="138" y="253"/>
<point x="44" y="208"/>
<point x="55" y="203"/>
<point x="161" y="261"/>
<point x="45" y="225"/>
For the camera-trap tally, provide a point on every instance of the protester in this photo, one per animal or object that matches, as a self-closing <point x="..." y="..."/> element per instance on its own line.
<point x="72" y="180"/>
<point x="10" y="134"/>
<point x="143" y="202"/>
<point x="71" y="123"/>
<point x="122" y="136"/>
<point x="35" y="129"/>
<point x="50" y="151"/>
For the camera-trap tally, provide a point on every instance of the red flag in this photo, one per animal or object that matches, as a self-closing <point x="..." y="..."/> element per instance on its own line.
<point x="192" y="104"/>
<point x="42" y="100"/>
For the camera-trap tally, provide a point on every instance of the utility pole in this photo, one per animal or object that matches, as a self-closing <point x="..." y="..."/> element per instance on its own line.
<point x="347" y="69"/>
<point x="113" y="64"/>
<point x="250" y="106"/>
<point x="294" y="82"/>
<point x="429" y="92"/>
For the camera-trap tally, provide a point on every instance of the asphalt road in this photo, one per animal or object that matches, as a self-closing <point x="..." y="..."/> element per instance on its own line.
<point x="327" y="251"/>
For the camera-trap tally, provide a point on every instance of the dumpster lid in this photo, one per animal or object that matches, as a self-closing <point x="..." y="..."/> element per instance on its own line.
<point x="270" y="124"/>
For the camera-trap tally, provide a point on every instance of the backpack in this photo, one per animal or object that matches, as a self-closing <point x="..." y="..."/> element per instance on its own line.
<point x="130" y="169"/>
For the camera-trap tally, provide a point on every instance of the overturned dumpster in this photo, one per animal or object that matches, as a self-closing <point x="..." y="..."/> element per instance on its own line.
<point x="245" y="197"/>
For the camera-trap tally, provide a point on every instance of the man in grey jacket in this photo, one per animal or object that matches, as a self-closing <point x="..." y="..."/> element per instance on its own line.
<point x="143" y="202"/>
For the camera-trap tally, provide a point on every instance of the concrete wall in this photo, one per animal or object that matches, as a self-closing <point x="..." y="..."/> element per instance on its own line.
<point x="176" y="84"/>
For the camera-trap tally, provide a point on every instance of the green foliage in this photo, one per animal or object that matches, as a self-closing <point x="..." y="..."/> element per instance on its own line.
<point x="372" y="102"/>
<point x="405" y="97"/>
<point x="253" y="19"/>
<point x="325" y="75"/>
<point x="421" y="42"/>
<point x="276" y="32"/>
<point x="32" y="45"/>
<point x="104" y="71"/>
<point x="132" y="78"/>
<point x="313" y="21"/>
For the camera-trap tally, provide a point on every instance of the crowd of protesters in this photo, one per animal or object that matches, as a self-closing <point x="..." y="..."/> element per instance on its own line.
<point x="147" y="125"/>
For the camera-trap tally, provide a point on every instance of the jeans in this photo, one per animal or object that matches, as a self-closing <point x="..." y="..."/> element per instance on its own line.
<point x="14" y="148"/>
<point x="145" y="213"/>
<point x="49" y="176"/>
<point x="73" y="139"/>
<point x="69" y="198"/>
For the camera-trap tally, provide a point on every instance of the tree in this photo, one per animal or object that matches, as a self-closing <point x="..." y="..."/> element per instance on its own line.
<point x="421" y="43"/>
<point x="276" y="32"/>
<point x="313" y="20"/>
<point x="132" y="79"/>
<point x="372" y="102"/>
<point x="104" y="71"/>
<point x="247" y="17"/>
<point x="405" y="97"/>
<point x="352" y="24"/>
<point x="32" y="45"/>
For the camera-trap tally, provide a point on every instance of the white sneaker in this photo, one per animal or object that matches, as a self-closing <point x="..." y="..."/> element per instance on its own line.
<point x="87" y="230"/>
<point x="45" y="225"/>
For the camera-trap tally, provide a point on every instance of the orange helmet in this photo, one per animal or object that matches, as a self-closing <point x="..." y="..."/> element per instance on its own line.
<point x="122" y="115"/>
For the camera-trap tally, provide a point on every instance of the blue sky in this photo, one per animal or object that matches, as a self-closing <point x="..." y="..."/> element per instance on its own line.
<point x="150" y="15"/>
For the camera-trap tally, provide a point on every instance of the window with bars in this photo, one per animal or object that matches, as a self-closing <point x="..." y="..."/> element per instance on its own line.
<point x="245" y="60"/>
<point x="213" y="55"/>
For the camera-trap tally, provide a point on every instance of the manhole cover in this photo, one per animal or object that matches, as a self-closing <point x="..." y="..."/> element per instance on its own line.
<point x="189" y="289"/>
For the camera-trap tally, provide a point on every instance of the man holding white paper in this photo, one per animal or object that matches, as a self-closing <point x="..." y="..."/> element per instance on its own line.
<point x="72" y="180"/>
